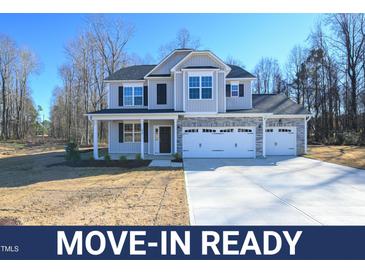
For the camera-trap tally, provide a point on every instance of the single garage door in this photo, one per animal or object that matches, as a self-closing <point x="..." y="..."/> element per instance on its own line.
<point x="219" y="142"/>
<point x="281" y="141"/>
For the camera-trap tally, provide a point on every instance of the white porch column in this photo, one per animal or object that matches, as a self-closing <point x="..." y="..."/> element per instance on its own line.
<point x="95" y="140"/>
<point x="175" y="135"/>
<point x="263" y="137"/>
<point x="142" y="139"/>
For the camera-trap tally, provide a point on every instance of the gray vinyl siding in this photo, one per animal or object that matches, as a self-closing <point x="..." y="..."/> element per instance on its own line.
<point x="113" y="93"/>
<point x="200" y="105"/>
<point x="221" y="91"/>
<point x="244" y="102"/>
<point x="179" y="91"/>
<point x="170" y="62"/>
<point x="116" y="147"/>
<point x="199" y="60"/>
<point x="152" y="94"/>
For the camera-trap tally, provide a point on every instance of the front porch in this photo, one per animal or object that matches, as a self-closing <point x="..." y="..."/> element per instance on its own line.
<point x="149" y="137"/>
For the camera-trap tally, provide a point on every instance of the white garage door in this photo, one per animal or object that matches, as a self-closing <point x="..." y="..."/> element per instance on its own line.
<point x="281" y="141"/>
<point x="219" y="142"/>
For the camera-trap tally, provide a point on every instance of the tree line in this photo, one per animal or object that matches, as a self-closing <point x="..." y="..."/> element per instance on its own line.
<point x="327" y="76"/>
<point x="18" y="114"/>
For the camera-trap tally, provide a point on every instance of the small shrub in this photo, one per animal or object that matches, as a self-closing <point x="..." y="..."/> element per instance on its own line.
<point x="91" y="158"/>
<point x="177" y="156"/>
<point x="138" y="157"/>
<point x="107" y="157"/>
<point x="123" y="158"/>
<point x="72" y="152"/>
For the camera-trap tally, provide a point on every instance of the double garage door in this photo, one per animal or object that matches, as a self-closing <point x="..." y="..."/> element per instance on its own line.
<point x="236" y="142"/>
<point x="219" y="142"/>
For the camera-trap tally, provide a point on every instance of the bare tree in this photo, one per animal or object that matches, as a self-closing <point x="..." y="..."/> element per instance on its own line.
<point x="234" y="61"/>
<point x="266" y="71"/>
<point x="183" y="40"/>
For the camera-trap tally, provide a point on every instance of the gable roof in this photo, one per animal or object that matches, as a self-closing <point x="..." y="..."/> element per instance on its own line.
<point x="131" y="73"/>
<point x="238" y="72"/>
<point x="277" y="104"/>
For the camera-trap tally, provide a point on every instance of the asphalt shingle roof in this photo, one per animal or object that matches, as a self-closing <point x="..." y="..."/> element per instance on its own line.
<point x="132" y="110"/>
<point x="273" y="103"/>
<point x="238" y="72"/>
<point x="131" y="73"/>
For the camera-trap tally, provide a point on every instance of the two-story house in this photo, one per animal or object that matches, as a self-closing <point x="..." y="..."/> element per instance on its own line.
<point x="195" y="104"/>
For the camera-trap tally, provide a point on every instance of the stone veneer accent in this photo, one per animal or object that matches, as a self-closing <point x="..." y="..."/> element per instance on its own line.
<point x="220" y="122"/>
<point x="243" y="122"/>
<point x="290" y="122"/>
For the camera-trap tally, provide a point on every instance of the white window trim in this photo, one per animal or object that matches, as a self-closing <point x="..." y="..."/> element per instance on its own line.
<point x="133" y="86"/>
<point x="200" y="75"/>
<point x="133" y="132"/>
<point x="238" y="89"/>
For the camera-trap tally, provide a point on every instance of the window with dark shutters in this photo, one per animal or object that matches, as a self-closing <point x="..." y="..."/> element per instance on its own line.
<point x="228" y="90"/>
<point x="241" y="90"/>
<point x="120" y="96"/>
<point x="145" y="95"/>
<point x="121" y="128"/>
<point x="161" y="94"/>
<point x="145" y="132"/>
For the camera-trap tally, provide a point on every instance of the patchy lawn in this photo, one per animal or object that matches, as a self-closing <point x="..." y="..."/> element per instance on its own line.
<point x="33" y="194"/>
<point x="353" y="156"/>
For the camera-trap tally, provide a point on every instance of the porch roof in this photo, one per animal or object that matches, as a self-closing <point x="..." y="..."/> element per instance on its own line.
<point x="134" y="111"/>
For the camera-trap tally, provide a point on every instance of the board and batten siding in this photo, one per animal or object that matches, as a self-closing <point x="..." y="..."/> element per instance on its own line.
<point x="202" y="59"/>
<point x="116" y="147"/>
<point x="244" y="102"/>
<point x="114" y="91"/>
<point x="152" y="93"/>
<point x="166" y="66"/>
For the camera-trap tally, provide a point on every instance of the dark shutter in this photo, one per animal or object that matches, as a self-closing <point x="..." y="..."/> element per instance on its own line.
<point x="120" y="96"/>
<point x="145" y="95"/>
<point x="145" y="132"/>
<point x="228" y="90"/>
<point x="241" y="90"/>
<point x="161" y="94"/>
<point x="121" y="130"/>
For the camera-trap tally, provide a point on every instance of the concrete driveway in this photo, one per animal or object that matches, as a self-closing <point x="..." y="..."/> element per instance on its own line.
<point x="274" y="191"/>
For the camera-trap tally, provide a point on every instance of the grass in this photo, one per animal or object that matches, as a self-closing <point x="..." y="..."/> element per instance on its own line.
<point x="33" y="194"/>
<point x="352" y="156"/>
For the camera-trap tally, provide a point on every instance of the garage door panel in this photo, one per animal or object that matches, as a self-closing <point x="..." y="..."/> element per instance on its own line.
<point x="222" y="142"/>
<point x="280" y="141"/>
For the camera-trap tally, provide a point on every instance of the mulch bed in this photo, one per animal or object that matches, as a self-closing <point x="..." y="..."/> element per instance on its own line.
<point x="9" y="221"/>
<point x="101" y="163"/>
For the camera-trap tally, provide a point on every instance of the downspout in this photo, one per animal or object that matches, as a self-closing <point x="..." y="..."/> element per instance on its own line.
<point x="264" y="136"/>
<point x="306" y="119"/>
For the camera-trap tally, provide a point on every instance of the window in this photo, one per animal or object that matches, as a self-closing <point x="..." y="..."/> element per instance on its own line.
<point x="269" y="130"/>
<point x="245" y="130"/>
<point x="208" y="130"/>
<point x="191" y="130"/>
<point x="194" y="86"/>
<point x="132" y="133"/>
<point x="207" y="87"/>
<point x="284" y="130"/>
<point x="200" y="87"/>
<point x="226" y="130"/>
<point x="234" y="90"/>
<point x="133" y="96"/>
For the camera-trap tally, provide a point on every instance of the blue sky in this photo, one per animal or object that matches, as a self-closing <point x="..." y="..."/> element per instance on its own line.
<point x="247" y="37"/>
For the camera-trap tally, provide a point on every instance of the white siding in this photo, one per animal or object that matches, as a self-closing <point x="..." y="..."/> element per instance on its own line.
<point x="244" y="102"/>
<point x="152" y="94"/>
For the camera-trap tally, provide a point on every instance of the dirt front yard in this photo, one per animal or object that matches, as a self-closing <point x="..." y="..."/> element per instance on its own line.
<point x="353" y="156"/>
<point x="33" y="194"/>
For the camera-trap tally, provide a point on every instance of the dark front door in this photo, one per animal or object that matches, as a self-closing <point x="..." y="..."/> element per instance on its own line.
<point x="165" y="139"/>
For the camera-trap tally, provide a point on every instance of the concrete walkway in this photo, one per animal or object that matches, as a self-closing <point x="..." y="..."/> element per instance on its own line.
<point x="274" y="191"/>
